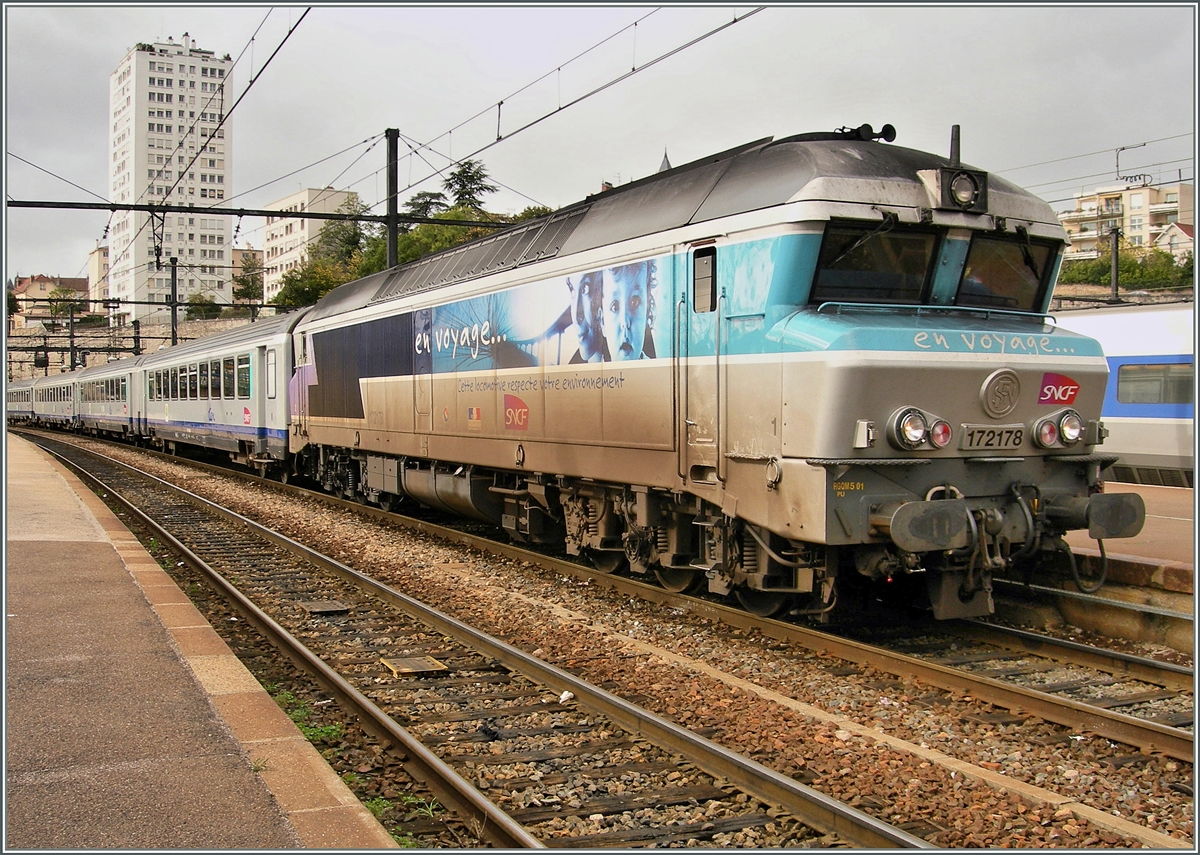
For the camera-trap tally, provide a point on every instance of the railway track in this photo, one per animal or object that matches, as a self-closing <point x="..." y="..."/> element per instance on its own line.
<point x="1143" y="704"/>
<point x="565" y="763"/>
<point x="944" y="816"/>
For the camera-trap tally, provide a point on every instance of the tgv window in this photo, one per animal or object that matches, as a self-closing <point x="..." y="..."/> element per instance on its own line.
<point x="874" y="263"/>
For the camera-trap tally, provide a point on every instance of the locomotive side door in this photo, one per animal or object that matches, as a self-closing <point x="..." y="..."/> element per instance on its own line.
<point x="423" y="371"/>
<point x="700" y="448"/>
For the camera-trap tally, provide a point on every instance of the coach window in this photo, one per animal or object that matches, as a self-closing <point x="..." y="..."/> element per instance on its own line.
<point x="227" y="377"/>
<point x="203" y="381"/>
<point x="243" y="376"/>
<point x="174" y="384"/>
<point x="270" y="373"/>
<point x="1155" y="384"/>
<point x="124" y="389"/>
<point x="214" y="379"/>
<point x="704" y="280"/>
<point x="193" y="383"/>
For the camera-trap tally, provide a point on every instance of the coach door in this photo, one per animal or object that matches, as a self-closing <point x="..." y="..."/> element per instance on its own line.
<point x="701" y="366"/>
<point x="423" y="372"/>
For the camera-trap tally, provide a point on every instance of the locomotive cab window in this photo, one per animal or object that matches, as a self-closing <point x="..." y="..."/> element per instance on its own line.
<point x="1005" y="273"/>
<point x="704" y="280"/>
<point x="874" y="263"/>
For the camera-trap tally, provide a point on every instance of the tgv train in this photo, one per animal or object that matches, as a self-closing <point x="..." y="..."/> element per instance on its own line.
<point x="1149" y="405"/>
<point x="797" y="372"/>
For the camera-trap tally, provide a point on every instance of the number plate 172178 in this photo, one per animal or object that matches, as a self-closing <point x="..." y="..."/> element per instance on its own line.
<point x="991" y="437"/>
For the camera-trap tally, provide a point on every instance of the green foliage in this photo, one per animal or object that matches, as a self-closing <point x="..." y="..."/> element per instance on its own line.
<point x="61" y="301"/>
<point x="323" y="733"/>
<point x="14" y="307"/>
<point x="378" y="806"/>
<point x="427" y="203"/>
<point x="304" y="285"/>
<point x="1140" y="268"/>
<point x="248" y="284"/>
<point x="201" y="307"/>
<point x="341" y="241"/>
<point x="467" y="184"/>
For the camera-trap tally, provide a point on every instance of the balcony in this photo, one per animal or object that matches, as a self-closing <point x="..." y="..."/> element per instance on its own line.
<point x="1165" y="208"/>
<point x="1080" y="255"/>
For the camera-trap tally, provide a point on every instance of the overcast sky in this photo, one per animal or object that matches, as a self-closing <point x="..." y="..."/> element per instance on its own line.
<point x="1044" y="95"/>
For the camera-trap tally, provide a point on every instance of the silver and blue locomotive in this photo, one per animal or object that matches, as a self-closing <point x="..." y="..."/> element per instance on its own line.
<point x="798" y="367"/>
<point x="800" y="370"/>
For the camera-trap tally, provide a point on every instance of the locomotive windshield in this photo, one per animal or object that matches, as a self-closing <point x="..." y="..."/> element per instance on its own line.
<point x="874" y="264"/>
<point x="1005" y="273"/>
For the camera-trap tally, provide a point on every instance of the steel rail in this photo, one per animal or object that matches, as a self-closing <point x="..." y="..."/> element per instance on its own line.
<point x="450" y="787"/>
<point x="806" y="804"/>
<point x="1120" y="727"/>
<point x="1166" y="674"/>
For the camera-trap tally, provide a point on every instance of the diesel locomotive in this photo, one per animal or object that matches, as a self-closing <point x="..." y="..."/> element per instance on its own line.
<point x="795" y="372"/>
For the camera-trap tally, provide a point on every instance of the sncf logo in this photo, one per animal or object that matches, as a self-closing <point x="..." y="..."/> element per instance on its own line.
<point x="1057" y="389"/>
<point x="516" y="413"/>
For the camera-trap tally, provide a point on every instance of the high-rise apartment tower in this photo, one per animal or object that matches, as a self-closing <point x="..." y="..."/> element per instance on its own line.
<point x="170" y="143"/>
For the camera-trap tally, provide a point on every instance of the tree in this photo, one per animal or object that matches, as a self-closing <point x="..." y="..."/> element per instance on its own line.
<point x="312" y="280"/>
<point x="341" y="241"/>
<point x="201" y="307"/>
<point x="427" y="203"/>
<point x="248" y="284"/>
<point x="14" y="306"/>
<point x="63" y="300"/>
<point x="467" y="184"/>
<point x="1137" y="267"/>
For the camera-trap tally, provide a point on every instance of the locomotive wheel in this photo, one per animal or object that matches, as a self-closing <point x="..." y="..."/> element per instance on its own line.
<point x="763" y="603"/>
<point x="679" y="580"/>
<point x="607" y="561"/>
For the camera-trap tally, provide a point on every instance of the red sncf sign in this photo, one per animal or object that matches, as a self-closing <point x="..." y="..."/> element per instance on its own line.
<point x="516" y="413"/>
<point x="1057" y="389"/>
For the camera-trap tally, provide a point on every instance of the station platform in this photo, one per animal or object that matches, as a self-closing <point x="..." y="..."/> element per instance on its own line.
<point x="129" y="724"/>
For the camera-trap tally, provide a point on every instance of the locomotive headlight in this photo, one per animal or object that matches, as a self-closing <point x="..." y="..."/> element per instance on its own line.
<point x="940" y="434"/>
<point x="963" y="189"/>
<point x="1046" y="433"/>
<point x="910" y="429"/>
<point x="1070" y="427"/>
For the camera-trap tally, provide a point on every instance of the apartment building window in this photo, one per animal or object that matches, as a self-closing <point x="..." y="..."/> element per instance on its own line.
<point x="1135" y="201"/>
<point x="1173" y="198"/>
<point x="1135" y="224"/>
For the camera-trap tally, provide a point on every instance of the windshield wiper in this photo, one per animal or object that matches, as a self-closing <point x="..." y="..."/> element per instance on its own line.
<point x="1023" y="234"/>
<point x="889" y="220"/>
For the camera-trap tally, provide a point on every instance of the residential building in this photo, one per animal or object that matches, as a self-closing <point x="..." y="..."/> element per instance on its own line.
<point x="286" y="243"/>
<point x="33" y="295"/>
<point x="1179" y="239"/>
<point x="170" y="143"/>
<point x="97" y="277"/>
<point x="1141" y="213"/>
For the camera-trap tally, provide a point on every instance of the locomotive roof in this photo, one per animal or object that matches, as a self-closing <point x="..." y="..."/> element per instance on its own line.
<point x="762" y="174"/>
